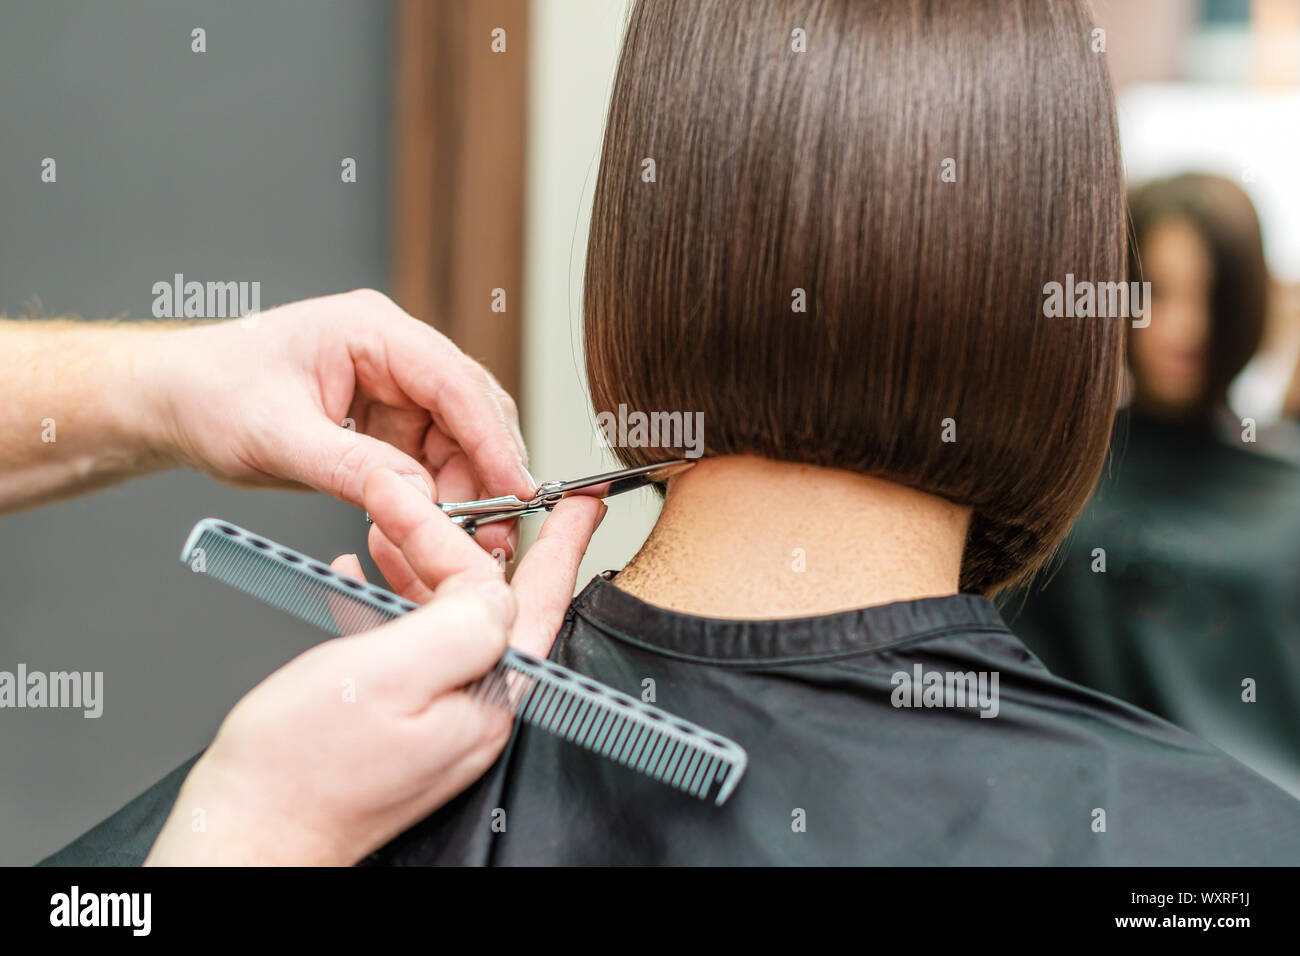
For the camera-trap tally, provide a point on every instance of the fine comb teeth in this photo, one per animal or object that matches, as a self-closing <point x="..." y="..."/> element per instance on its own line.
<point x="541" y="693"/>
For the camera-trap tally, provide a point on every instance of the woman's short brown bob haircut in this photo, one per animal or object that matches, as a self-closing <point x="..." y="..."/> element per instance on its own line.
<point x="917" y="171"/>
<point x="1221" y="212"/>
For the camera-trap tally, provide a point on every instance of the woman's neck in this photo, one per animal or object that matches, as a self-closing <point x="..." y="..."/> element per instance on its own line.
<point x="745" y="537"/>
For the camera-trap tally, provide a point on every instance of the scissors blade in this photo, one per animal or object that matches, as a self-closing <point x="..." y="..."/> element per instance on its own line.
<point x="470" y="514"/>
<point x="615" y="482"/>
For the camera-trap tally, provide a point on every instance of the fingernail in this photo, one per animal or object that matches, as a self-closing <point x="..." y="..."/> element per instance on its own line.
<point x="500" y="597"/>
<point x="528" y="476"/>
<point x="417" y="481"/>
<point x="604" y="510"/>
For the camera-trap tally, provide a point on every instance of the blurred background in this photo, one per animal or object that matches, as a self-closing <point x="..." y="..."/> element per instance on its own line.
<point x="474" y="172"/>
<point x="1179" y="588"/>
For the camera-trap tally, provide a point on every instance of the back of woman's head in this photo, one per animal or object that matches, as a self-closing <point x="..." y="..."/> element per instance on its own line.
<point x="839" y="252"/>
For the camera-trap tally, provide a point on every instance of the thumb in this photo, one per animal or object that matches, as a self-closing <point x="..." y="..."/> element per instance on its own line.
<point x="441" y="646"/>
<point x="336" y="461"/>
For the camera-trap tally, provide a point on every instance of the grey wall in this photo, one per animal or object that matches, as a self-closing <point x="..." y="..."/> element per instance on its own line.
<point x="224" y="166"/>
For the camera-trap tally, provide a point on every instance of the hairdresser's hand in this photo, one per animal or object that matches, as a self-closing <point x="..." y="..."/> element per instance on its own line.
<point x="420" y="552"/>
<point x="320" y="393"/>
<point x="359" y="738"/>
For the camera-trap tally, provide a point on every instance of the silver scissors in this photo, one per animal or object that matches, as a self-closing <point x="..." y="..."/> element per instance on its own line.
<point x="470" y="514"/>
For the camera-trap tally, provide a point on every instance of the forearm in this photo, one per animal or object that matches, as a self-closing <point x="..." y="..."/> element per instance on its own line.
<point x="81" y="407"/>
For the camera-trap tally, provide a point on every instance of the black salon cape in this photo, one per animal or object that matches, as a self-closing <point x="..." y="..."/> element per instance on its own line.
<point x="837" y="773"/>
<point x="1200" y="592"/>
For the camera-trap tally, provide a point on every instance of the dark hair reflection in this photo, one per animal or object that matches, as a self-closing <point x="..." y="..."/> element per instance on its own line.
<point x="1196" y="239"/>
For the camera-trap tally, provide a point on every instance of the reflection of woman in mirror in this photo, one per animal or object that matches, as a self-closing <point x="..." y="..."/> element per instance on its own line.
<point x="1197" y="528"/>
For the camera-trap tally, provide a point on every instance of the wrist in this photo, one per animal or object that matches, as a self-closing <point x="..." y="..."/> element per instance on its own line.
<point x="222" y="817"/>
<point x="144" y="363"/>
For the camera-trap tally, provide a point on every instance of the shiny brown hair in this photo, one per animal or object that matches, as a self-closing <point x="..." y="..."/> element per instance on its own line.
<point x="776" y="171"/>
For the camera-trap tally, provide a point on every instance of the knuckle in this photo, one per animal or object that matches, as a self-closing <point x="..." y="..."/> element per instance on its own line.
<point x="493" y="737"/>
<point x="507" y="403"/>
<point x="347" y="471"/>
<point x="476" y="616"/>
<point x="369" y="298"/>
<point x="487" y="620"/>
<point x="475" y="370"/>
<point x="470" y="719"/>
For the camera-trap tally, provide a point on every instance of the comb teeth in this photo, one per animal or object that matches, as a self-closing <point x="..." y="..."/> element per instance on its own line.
<point x="615" y="726"/>
<point x="291" y="581"/>
<point x="541" y="693"/>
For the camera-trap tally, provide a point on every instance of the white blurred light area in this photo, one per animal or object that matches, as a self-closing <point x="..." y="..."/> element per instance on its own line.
<point x="1252" y="137"/>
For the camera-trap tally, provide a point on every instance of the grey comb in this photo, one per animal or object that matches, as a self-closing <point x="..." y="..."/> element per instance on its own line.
<point x="541" y="693"/>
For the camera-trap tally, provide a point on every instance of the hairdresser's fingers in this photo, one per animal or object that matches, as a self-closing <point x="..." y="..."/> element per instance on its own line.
<point x="434" y="547"/>
<point x="458" y="482"/>
<point x="465" y="722"/>
<point x="403" y="580"/>
<point x="396" y="569"/>
<point x="350" y="565"/>
<point x="336" y="460"/>
<point x="501" y="546"/>
<point x="446" y="644"/>
<point x="500" y="540"/>
<point x="543" y="582"/>
<point x="465" y="403"/>
<point x="402" y="426"/>
<point x="510" y="411"/>
<point x="439" y="447"/>
<point x="467" y="735"/>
